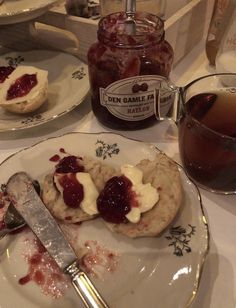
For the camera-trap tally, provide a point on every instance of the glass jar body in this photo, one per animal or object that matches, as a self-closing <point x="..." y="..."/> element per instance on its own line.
<point x="123" y="77"/>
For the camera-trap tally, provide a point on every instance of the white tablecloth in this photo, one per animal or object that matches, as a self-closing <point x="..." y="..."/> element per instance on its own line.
<point x="218" y="284"/>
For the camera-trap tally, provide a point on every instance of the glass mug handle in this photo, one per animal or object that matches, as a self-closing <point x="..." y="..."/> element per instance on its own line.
<point x="167" y="103"/>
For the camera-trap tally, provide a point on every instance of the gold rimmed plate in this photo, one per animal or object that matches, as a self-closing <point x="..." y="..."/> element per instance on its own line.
<point x="161" y="271"/>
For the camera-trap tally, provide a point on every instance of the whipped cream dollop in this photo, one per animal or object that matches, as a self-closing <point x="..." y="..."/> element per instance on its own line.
<point x="145" y="194"/>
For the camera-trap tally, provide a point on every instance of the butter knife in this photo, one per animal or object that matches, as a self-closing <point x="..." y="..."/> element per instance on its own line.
<point x="27" y="202"/>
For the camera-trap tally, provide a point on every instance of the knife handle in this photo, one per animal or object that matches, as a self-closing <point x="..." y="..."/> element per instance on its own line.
<point x="83" y="285"/>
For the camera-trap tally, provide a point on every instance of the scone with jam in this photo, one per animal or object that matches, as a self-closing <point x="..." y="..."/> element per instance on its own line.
<point x="70" y="192"/>
<point x="144" y="199"/>
<point x="23" y="89"/>
<point x="136" y="201"/>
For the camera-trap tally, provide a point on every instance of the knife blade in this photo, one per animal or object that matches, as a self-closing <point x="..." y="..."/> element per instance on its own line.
<point x="24" y="197"/>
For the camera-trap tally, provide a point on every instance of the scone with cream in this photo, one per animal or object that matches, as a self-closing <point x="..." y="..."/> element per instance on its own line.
<point x="24" y="90"/>
<point x="144" y="200"/>
<point x="70" y="192"/>
<point x="136" y="201"/>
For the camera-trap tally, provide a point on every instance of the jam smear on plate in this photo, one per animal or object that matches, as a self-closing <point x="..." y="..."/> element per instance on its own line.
<point x="99" y="260"/>
<point x="44" y="271"/>
<point x="55" y="158"/>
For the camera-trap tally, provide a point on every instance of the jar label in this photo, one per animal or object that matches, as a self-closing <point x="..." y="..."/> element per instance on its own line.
<point x="133" y="99"/>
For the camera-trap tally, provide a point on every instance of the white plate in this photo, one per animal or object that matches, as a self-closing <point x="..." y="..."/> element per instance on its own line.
<point x="14" y="11"/>
<point x="151" y="272"/>
<point x="68" y="86"/>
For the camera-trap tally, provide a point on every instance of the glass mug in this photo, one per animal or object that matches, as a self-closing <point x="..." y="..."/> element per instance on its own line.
<point x="205" y="112"/>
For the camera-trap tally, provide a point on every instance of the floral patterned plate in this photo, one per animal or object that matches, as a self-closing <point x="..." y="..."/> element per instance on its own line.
<point x="14" y="11"/>
<point x="163" y="271"/>
<point x="68" y="86"/>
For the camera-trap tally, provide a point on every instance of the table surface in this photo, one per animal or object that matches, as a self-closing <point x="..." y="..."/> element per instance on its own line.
<point x="218" y="284"/>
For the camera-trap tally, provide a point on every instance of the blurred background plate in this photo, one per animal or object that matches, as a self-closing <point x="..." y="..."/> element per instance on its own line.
<point x="68" y="85"/>
<point x="14" y="11"/>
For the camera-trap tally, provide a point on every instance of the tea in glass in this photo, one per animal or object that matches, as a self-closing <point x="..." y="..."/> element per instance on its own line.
<point x="207" y="133"/>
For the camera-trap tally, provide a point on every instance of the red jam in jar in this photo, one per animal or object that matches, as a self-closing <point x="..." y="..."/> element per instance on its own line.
<point x="125" y="70"/>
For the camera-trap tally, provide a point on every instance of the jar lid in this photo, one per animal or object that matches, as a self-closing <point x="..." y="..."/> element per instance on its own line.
<point x="112" y="30"/>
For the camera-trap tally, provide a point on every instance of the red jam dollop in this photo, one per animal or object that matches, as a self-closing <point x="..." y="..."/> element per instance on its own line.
<point x="116" y="200"/>
<point x="22" y="86"/>
<point x="69" y="164"/>
<point x="73" y="191"/>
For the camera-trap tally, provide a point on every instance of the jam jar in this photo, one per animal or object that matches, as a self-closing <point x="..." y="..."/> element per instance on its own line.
<point x="125" y="70"/>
